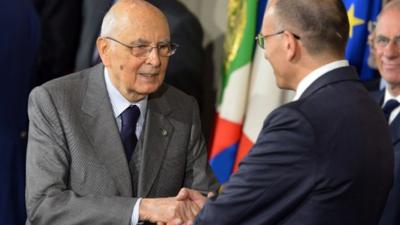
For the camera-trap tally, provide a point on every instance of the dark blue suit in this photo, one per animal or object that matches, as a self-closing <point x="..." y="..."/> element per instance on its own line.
<point x="325" y="159"/>
<point x="18" y="44"/>
<point x="391" y="213"/>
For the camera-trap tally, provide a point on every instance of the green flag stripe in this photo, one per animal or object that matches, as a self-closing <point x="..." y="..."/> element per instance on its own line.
<point x="243" y="53"/>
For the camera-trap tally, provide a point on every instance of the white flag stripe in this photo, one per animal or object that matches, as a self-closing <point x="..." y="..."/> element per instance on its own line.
<point x="234" y="100"/>
<point x="264" y="95"/>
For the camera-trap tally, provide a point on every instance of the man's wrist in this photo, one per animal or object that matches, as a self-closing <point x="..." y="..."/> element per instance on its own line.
<point x="145" y="208"/>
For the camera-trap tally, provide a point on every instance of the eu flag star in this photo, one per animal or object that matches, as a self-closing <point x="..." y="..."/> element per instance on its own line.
<point x="353" y="20"/>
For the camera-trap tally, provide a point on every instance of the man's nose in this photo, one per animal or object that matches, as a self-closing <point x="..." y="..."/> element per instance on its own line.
<point x="392" y="49"/>
<point x="154" y="57"/>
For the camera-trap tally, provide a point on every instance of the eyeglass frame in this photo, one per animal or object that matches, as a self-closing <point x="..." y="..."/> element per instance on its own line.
<point x="260" y="38"/>
<point x="379" y="39"/>
<point x="172" y="48"/>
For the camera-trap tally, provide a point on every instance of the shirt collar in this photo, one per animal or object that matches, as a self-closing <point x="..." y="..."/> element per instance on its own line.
<point x="120" y="103"/>
<point x="389" y="96"/>
<point x="314" y="75"/>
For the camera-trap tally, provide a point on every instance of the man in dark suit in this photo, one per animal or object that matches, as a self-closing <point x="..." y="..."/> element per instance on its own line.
<point x="104" y="142"/>
<point x="326" y="158"/>
<point x="19" y="42"/>
<point x="60" y="22"/>
<point x="386" y="44"/>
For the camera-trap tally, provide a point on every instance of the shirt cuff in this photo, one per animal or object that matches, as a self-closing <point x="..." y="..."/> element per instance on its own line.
<point x="135" y="213"/>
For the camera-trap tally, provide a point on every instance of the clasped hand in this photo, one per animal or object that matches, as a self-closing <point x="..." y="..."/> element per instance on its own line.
<point x="179" y="210"/>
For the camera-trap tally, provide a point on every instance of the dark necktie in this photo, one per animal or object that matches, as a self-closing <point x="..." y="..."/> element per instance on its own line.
<point x="129" y="118"/>
<point x="389" y="107"/>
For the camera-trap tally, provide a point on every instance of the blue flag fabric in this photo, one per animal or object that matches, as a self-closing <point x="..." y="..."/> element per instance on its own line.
<point x="360" y="12"/>
<point x="260" y="14"/>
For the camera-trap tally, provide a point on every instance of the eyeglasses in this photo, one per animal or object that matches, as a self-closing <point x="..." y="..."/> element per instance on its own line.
<point x="382" y="41"/>
<point x="260" y="39"/>
<point x="165" y="49"/>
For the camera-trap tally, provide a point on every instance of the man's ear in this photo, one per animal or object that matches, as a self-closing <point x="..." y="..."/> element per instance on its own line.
<point x="104" y="50"/>
<point x="291" y="46"/>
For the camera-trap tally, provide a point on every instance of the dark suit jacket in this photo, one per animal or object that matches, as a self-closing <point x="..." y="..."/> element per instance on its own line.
<point x="93" y="12"/>
<point x="19" y="42"/>
<point x="77" y="172"/>
<point x="325" y="159"/>
<point x="391" y="213"/>
<point x="60" y="22"/>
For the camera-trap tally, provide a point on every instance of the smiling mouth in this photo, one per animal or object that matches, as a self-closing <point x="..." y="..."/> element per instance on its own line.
<point x="149" y="74"/>
<point x="391" y="65"/>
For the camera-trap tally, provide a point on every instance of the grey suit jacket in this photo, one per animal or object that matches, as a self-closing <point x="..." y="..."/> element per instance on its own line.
<point x="77" y="172"/>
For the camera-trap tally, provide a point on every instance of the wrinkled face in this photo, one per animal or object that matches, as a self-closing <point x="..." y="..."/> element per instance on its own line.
<point x="135" y="77"/>
<point x="387" y="46"/>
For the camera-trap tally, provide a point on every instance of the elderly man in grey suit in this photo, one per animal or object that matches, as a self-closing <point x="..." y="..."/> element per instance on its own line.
<point x="107" y="145"/>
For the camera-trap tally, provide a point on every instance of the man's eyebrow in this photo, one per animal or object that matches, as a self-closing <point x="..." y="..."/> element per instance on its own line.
<point x="382" y="36"/>
<point x="144" y="41"/>
<point x="139" y="41"/>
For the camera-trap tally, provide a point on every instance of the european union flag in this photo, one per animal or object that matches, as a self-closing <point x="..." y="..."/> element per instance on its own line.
<point x="360" y="12"/>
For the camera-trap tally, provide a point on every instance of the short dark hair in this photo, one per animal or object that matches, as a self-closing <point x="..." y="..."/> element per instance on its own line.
<point x="322" y="25"/>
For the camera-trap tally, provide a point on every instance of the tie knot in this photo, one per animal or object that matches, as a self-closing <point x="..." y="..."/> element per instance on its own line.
<point x="130" y="116"/>
<point x="389" y="107"/>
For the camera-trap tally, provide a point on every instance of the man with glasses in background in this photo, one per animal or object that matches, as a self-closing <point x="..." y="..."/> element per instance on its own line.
<point x="104" y="142"/>
<point x="385" y="43"/>
<point x="326" y="157"/>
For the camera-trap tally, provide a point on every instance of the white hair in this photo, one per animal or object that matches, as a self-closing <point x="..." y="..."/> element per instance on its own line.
<point x="108" y="24"/>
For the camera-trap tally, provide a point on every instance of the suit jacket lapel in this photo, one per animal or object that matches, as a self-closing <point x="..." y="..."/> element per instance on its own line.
<point x="378" y="96"/>
<point x="337" y="75"/>
<point x="101" y="128"/>
<point x="158" y="132"/>
<point x="394" y="127"/>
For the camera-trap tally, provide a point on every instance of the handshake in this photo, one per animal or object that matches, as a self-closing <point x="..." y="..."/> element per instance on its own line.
<point x="179" y="210"/>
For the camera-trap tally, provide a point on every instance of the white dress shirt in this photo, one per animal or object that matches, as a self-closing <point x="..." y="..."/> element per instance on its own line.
<point x="396" y="110"/>
<point x="314" y="75"/>
<point x="119" y="104"/>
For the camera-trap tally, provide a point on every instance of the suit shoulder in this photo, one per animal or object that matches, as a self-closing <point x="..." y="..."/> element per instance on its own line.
<point x="67" y="80"/>
<point x="289" y="110"/>
<point x="62" y="89"/>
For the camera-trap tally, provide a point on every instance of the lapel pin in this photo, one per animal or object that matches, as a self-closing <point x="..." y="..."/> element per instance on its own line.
<point x="164" y="132"/>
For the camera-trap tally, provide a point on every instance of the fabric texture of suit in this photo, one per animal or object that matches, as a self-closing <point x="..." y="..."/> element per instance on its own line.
<point x="77" y="172"/>
<point x="391" y="213"/>
<point x="19" y="43"/>
<point x="325" y="159"/>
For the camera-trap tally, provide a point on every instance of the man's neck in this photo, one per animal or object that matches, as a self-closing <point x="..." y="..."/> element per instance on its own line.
<point x="394" y="90"/>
